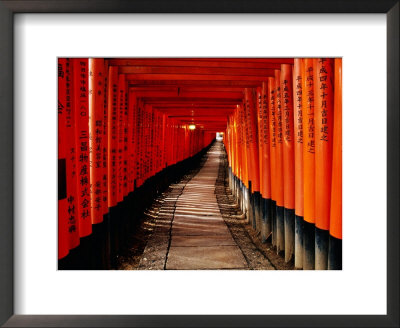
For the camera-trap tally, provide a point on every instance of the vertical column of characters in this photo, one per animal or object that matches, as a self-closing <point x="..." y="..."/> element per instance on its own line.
<point x="324" y="95"/>
<point x="309" y="165"/>
<point x="139" y="138"/>
<point x="96" y="124"/>
<point x="120" y="138"/>
<point x="125" y="154"/>
<point x="280" y="229"/>
<point x="73" y="224"/>
<point x="153" y="142"/>
<point x="298" y="159"/>
<point x="156" y="152"/>
<point x="143" y="144"/>
<point x="167" y="142"/>
<point x="160" y="141"/>
<point x="143" y="149"/>
<point x="131" y="140"/>
<point x="135" y="140"/>
<point x="63" y="238"/>
<point x="335" y="224"/>
<point x="158" y="133"/>
<point x="163" y="141"/>
<point x="105" y="141"/>
<point x="260" y="143"/>
<point x="112" y="135"/>
<point x="81" y="85"/>
<point x="251" y="112"/>
<point x="288" y="158"/>
<point x="266" y="162"/>
<point x="147" y="144"/>
<point x="272" y="126"/>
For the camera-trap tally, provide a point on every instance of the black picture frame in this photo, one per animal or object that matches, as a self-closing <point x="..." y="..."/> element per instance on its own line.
<point x="7" y="11"/>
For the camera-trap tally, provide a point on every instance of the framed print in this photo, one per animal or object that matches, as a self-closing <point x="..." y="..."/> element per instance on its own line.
<point x="39" y="40"/>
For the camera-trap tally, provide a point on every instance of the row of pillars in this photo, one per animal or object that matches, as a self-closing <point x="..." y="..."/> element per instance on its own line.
<point x="110" y="142"/>
<point x="284" y="146"/>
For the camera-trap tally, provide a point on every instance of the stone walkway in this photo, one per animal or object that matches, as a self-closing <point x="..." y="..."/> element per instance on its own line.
<point x="191" y="233"/>
<point x="196" y="227"/>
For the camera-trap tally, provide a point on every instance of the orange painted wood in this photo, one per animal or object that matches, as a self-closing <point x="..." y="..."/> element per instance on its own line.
<point x="81" y="103"/>
<point x="120" y="137"/>
<point x="335" y="227"/>
<point x="81" y="86"/>
<point x="112" y="155"/>
<point x="279" y="141"/>
<point x="196" y="70"/>
<point x="96" y="125"/>
<point x="252" y="139"/>
<point x="193" y="83"/>
<point x="298" y="75"/>
<point x="204" y="62"/>
<point x="309" y="140"/>
<point x="260" y="143"/>
<point x="323" y="114"/>
<point x="265" y="133"/>
<point x="244" y="155"/>
<point x="63" y="238"/>
<point x="288" y="135"/>
<point x="273" y="130"/>
<point x="193" y="77"/>
<point x="71" y="159"/>
<point x="132" y="130"/>
<point x="105" y="141"/>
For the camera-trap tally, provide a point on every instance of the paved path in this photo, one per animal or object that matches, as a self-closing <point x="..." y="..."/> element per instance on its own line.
<point x="200" y="239"/>
<point x="190" y="232"/>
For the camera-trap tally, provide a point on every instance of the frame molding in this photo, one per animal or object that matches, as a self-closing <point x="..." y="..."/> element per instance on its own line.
<point x="7" y="10"/>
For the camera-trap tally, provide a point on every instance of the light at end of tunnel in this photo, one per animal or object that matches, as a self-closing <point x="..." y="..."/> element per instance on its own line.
<point x="192" y="127"/>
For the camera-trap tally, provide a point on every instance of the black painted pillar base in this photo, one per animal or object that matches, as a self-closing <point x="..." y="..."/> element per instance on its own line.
<point x="309" y="246"/>
<point x="257" y="211"/>
<point x="321" y="249"/>
<point x="266" y="212"/>
<point x="289" y="233"/>
<point x="298" y="242"/>
<point x="273" y="222"/>
<point x="335" y="254"/>
<point x="280" y="230"/>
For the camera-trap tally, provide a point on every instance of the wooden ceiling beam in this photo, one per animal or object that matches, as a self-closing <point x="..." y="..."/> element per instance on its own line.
<point x="194" y="77"/>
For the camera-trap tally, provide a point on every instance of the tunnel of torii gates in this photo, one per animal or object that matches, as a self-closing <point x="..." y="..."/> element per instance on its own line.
<point x="128" y="127"/>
